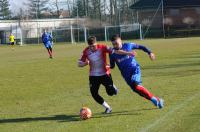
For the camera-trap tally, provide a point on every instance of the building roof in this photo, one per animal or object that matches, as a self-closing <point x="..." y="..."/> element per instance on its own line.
<point x="152" y="4"/>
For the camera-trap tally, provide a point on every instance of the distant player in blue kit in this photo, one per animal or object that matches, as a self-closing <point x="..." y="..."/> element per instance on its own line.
<point x="130" y="69"/>
<point x="47" y="41"/>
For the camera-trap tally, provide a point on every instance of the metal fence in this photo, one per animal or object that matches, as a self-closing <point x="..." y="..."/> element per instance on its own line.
<point x="71" y="34"/>
<point x="148" y="23"/>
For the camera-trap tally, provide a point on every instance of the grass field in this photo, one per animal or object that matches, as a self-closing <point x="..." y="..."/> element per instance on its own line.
<point x="42" y="95"/>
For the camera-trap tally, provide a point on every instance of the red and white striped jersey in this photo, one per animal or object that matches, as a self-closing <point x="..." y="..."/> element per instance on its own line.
<point x="97" y="59"/>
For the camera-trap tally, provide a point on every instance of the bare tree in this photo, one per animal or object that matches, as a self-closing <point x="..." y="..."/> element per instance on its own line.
<point x="111" y="11"/>
<point x="57" y="8"/>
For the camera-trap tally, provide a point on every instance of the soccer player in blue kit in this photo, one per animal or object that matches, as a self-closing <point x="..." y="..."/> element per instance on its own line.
<point x="130" y="69"/>
<point x="47" y="41"/>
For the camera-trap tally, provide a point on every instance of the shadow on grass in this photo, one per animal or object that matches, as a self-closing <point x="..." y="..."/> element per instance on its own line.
<point x="71" y="118"/>
<point x="121" y="113"/>
<point x="59" y="118"/>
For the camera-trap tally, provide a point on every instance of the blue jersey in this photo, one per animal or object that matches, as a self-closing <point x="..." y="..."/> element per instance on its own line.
<point x="127" y="64"/>
<point x="46" y="39"/>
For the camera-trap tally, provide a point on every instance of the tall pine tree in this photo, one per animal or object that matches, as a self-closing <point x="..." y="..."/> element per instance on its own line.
<point x="36" y="7"/>
<point x="78" y="9"/>
<point x="4" y="9"/>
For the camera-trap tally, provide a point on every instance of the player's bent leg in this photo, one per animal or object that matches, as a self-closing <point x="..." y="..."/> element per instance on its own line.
<point x="143" y="91"/>
<point x="49" y="52"/>
<point x="111" y="89"/>
<point x="135" y="83"/>
<point x="158" y="102"/>
<point x="116" y="89"/>
<point x="101" y="101"/>
<point x="94" y="91"/>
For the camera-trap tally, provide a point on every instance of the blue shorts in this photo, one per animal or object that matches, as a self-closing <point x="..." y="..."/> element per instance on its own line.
<point x="48" y="45"/>
<point x="134" y="77"/>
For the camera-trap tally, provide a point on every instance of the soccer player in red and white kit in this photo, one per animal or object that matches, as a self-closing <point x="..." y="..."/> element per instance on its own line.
<point x="95" y="56"/>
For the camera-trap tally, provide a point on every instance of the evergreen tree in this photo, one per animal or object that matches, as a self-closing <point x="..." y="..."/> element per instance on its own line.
<point x="4" y="9"/>
<point x="78" y="9"/>
<point x="36" y="7"/>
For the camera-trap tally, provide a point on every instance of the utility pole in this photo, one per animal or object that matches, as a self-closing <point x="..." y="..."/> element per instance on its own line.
<point x="77" y="22"/>
<point x="37" y="9"/>
<point x="163" y="19"/>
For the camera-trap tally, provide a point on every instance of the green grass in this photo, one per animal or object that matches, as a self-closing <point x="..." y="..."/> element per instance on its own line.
<point x="42" y="95"/>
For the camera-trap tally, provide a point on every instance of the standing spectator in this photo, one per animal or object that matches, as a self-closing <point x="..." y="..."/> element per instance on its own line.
<point x="12" y="40"/>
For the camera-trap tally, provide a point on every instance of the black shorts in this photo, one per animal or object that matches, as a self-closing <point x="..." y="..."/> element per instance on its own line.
<point x="96" y="81"/>
<point x="105" y="80"/>
<point x="12" y="43"/>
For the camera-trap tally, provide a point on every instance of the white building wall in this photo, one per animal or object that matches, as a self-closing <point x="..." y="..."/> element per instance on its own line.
<point x="33" y="28"/>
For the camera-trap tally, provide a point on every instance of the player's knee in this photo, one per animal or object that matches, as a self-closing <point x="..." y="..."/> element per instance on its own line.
<point x="98" y="99"/>
<point x="111" y="92"/>
<point x="135" y="84"/>
<point x="94" y="94"/>
<point x="134" y="87"/>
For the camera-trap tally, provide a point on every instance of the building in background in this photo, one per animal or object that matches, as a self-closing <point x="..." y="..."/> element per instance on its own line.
<point x="179" y="17"/>
<point x="31" y="30"/>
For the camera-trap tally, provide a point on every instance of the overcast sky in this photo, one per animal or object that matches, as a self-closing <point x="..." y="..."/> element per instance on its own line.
<point x="15" y="5"/>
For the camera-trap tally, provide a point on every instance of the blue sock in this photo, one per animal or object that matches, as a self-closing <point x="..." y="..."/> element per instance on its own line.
<point x="154" y="101"/>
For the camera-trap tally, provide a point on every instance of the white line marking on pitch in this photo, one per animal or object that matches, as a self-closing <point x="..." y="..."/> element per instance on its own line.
<point x="163" y="118"/>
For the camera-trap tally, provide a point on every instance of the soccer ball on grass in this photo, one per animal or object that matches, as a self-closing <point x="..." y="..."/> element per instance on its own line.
<point x="85" y="113"/>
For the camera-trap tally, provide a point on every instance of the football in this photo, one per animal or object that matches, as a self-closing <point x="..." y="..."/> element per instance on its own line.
<point x="85" y="113"/>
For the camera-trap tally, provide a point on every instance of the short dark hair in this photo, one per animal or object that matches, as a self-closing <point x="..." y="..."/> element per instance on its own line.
<point x="114" y="37"/>
<point x="91" y="40"/>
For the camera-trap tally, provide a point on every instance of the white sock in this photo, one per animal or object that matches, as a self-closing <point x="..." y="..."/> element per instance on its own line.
<point x="105" y="105"/>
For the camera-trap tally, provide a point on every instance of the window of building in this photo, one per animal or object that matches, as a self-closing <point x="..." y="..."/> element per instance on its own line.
<point x="174" y="12"/>
<point x="198" y="10"/>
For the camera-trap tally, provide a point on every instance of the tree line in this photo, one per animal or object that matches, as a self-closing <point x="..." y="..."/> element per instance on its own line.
<point x="104" y="11"/>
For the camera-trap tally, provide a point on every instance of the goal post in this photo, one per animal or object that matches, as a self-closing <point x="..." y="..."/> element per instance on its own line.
<point x="130" y="31"/>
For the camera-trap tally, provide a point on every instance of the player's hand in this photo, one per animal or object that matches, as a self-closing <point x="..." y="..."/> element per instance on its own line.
<point x="82" y="63"/>
<point x="107" y="66"/>
<point x="133" y="53"/>
<point x="152" y="56"/>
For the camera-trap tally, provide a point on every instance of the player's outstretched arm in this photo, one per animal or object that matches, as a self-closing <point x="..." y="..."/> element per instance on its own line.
<point x="122" y="52"/>
<point x="148" y="51"/>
